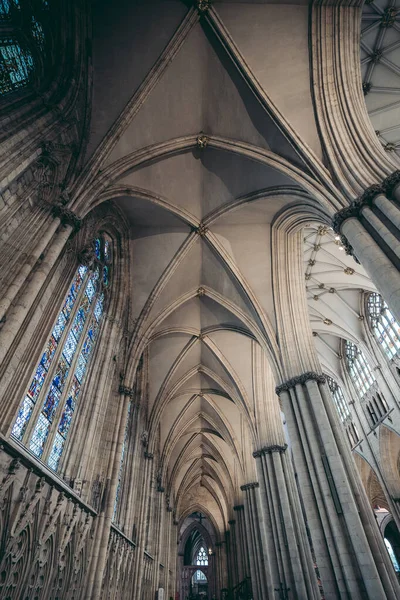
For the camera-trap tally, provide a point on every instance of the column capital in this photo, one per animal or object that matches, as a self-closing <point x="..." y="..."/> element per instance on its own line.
<point x="67" y="217"/>
<point x="232" y="522"/>
<point x="250" y="486"/>
<point x="238" y="507"/>
<point x="390" y="183"/>
<point x="270" y="450"/>
<point x="126" y="391"/>
<point x="291" y="383"/>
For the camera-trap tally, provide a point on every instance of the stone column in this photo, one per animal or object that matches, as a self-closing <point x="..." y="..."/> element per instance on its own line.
<point x="234" y="554"/>
<point x="142" y="521"/>
<point x="287" y="552"/>
<point x="370" y="230"/>
<point x="16" y="315"/>
<point x="243" y="553"/>
<point x="344" y="556"/>
<point x="258" y="566"/>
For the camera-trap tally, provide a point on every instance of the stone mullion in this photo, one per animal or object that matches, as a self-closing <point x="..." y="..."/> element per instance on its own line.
<point x="104" y="519"/>
<point x="326" y="553"/>
<point x="18" y="313"/>
<point x="363" y="510"/>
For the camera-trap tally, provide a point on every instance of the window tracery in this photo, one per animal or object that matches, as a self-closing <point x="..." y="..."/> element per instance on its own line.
<point x="22" y="41"/>
<point x="46" y="412"/>
<point x="359" y="369"/>
<point x="202" y="558"/>
<point x="338" y="398"/>
<point x="383" y="324"/>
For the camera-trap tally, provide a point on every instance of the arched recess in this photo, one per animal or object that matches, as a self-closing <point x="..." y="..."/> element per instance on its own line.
<point x="370" y="481"/>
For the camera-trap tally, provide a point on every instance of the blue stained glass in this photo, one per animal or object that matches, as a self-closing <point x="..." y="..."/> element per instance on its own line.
<point x="39" y="436"/>
<point x="88" y="343"/>
<point x="80" y="368"/>
<point x="49" y="353"/>
<point x="59" y="326"/>
<point x="22" y="420"/>
<point x="37" y="32"/>
<point x="97" y="248"/>
<point x="74" y="391"/>
<point x="69" y="303"/>
<point x="80" y="317"/>
<point x="4" y="8"/>
<point x="37" y="382"/>
<point x="107" y="250"/>
<point x="16" y="66"/>
<point x="98" y="309"/>
<point x="70" y="347"/>
<point x="51" y="402"/>
<point x="61" y="374"/>
<point x="66" y="417"/>
<point x="105" y="275"/>
<point x="56" y="451"/>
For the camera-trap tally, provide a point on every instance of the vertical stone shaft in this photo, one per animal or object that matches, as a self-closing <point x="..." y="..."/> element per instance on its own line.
<point x="243" y="555"/>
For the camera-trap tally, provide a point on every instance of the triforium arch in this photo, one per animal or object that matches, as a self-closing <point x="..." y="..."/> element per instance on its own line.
<point x="238" y="397"/>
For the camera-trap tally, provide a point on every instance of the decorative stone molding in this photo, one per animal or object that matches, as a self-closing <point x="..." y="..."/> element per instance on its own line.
<point x="342" y="215"/>
<point x="148" y="455"/>
<point x="302" y="379"/>
<point x="389" y="17"/>
<point x="368" y="197"/>
<point x="87" y="256"/>
<point x="238" y="507"/>
<point x="203" y="5"/>
<point x="126" y="391"/>
<point x="200" y="293"/>
<point x="249" y="486"/>
<point x="391" y="183"/>
<point x="67" y="217"/>
<point x="202" y="230"/>
<point x="202" y="140"/>
<point x="270" y="450"/>
<point x="231" y="522"/>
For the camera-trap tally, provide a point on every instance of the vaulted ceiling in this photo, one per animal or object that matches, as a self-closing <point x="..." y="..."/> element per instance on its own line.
<point x="380" y="65"/>
<point x="202" y="142"/>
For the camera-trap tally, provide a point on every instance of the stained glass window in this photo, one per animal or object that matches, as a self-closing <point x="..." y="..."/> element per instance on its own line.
<point x="16" y="66"/>
<point x="52" y="396"/>
<point x="202" y="558"/>
<point x="385" y="327"/>
<point x="392" y="555"/>
<point x="338" y="398"/>
<point x="359" y="369"/>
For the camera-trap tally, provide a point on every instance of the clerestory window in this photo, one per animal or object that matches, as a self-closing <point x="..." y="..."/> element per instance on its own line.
<point x="359" y="369"/>
<point x="47" y="410"/>
<point x="338" y="398"/>
<point x="383" y="324"/>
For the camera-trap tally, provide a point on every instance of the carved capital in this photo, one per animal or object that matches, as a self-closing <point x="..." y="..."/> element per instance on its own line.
<point x="353" y="210"/>
<point x="148" y="455"/>
<point x="231" y="522"/>
<point x="368" y="197"/>
<point x="126" y="391"/>
<point x="238" y="507"/>
<point x="291" y="383"/>
<point x="250" y="486"/>
<point x="270" y="450"/>
<point x="390" y="184"/>
<point x="202" y="5"/>
<point x="67" y="217"/>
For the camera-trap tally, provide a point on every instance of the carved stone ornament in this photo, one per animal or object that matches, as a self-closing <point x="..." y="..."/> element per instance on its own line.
<point x="238" y="507"/>
<point x="231" y="522"/>
<point x="270" y="450"/>
<point x="391" y="183"/>
<point x="202" y="141"/>
<point x="201" y="292"/>
<point x="250" y="486"/>
<point x="368" y="197"/>
<point x="67" y="217"/>
<point x="87" y="256"/>
<point x="202" y="230"/>
<point x="388" y="18"/>
<point x="300" y="379"/>
<point x="203" y="5"/>
<point x="342" y="215"/>
<point x="126" y="391"/>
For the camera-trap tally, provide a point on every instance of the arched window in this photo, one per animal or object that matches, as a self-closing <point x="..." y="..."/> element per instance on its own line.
<point x="359" y="369"/>
<point x="45" y="415"/>
<point x="202" y="558"/>
<point x="22" y="37"/>
<point x="338" y="398"/>
<point x="385" y="327"/>
<point x="199" y="576"/>
<point x="392" y="555"/>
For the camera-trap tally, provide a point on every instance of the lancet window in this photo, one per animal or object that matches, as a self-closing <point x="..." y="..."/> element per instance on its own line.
<point x="202" y="558"/>
<point x="359" y="369"/>
<point x="51" y="400"/>
<point x="338" y="398"/>
<point x="383" y="324"/>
